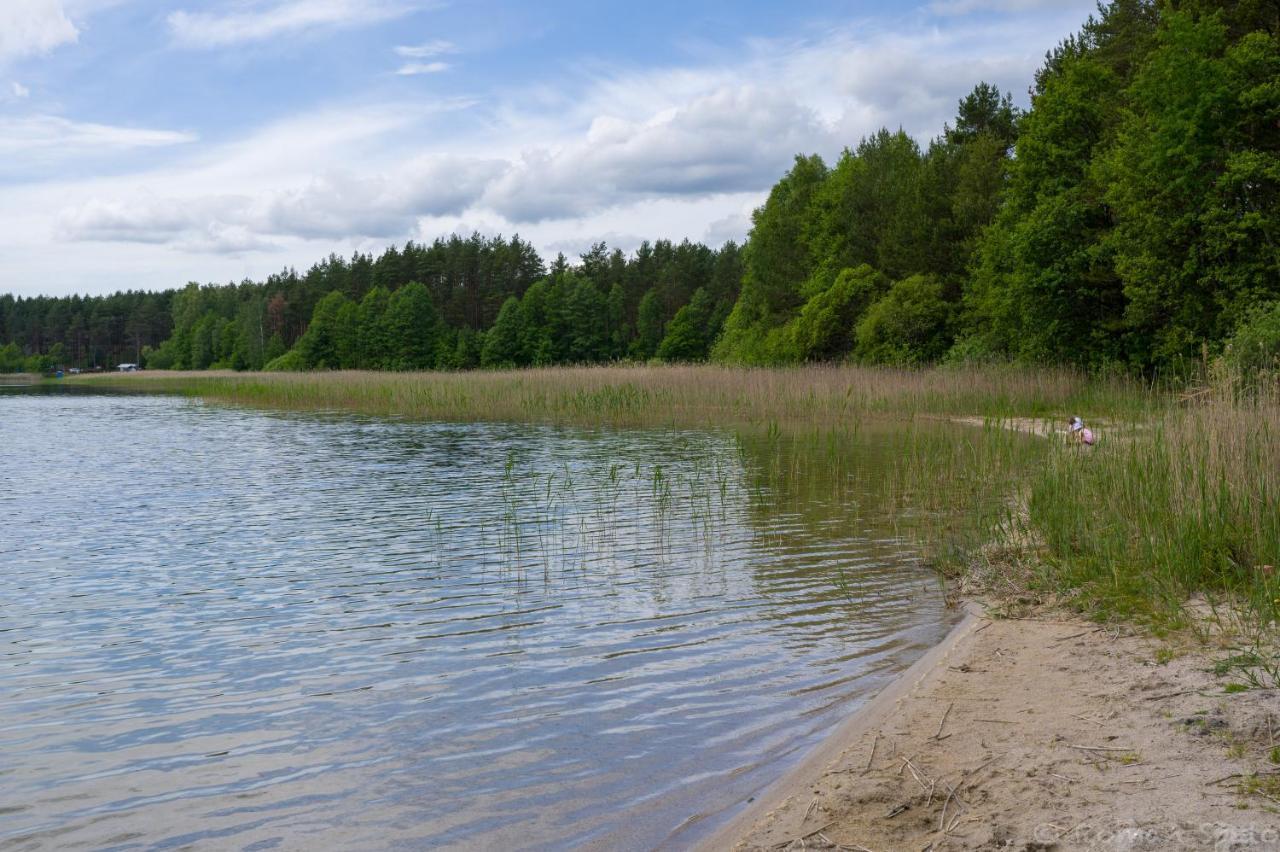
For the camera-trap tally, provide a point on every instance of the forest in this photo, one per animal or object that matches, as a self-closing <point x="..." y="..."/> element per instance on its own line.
<point x="1128" y="220"/>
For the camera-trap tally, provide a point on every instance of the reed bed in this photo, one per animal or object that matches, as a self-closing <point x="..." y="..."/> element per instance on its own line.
<point x="1187" y="505"/>
<point x="684" y="396"/>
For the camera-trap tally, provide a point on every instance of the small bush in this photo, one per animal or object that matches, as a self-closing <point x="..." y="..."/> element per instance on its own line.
<point x="908" y="326"/>
<point x="290" y="362"/>
<point x="1252" y="353"/>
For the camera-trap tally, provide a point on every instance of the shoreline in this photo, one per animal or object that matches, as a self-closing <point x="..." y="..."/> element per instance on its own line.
<point x="1033" y="734"/>
<point x="846" y="734"/>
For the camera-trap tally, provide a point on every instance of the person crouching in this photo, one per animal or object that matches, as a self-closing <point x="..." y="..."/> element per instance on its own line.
<point x="1078" y="433"/>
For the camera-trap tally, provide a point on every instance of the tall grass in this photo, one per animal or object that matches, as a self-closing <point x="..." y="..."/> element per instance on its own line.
<point x="665" y="396"/>
<point x="1187" y="504"/>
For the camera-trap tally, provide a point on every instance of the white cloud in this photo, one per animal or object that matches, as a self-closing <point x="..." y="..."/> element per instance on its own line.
<point x="46" y="136"/>
<point x="734" y="227"/>
<point x="264" y="20"/>
<point x="33" y="27"/>
<point x="412" y="69"/>
<point x="729" y="140"/>
<point x="20" y="91"/>
<point x="663" y="153"/>
<point x="425" y="50"/>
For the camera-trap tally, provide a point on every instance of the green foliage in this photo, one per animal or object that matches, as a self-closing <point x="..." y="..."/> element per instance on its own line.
<point x="413" y="328"/>
<point x="1044" y="286"/>
<point x="290" y="362"/>
<point x="649" y="328"/>
<point x="1252" y="352"/>
<point x="688" y="335"/>
<point x="504" y="343"/>
<point x="824" y="328"/>
<point x="375" y="349"/>
<point x="908" y="325"/>
<point x="776" y="263"/>
<point x="1194" y="182"/>
<point x="11" y="359"/>
<point x="330" y="334"/>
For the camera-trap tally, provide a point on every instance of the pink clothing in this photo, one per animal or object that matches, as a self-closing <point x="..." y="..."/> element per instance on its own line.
<point x="1086" y="435"/>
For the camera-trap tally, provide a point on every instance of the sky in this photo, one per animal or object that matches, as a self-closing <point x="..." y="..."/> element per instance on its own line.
<point x="145" y="144"/>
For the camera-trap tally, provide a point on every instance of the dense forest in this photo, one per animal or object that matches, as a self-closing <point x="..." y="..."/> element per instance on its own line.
<point x="1129" y="219"/>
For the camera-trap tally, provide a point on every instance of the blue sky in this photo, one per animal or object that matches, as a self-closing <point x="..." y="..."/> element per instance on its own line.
<point x="144" y="144"/>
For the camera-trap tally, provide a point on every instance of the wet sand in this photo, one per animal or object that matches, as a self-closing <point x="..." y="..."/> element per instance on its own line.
<point x="1030" y="734"/>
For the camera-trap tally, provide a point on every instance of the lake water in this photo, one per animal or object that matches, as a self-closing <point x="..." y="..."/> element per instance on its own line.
<point x="240" y="629"/>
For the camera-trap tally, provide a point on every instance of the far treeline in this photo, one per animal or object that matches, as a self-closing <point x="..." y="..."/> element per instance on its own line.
<point x="1129" y="220"/>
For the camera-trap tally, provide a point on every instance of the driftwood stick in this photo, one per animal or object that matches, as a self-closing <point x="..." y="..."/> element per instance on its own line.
<point x="872" y="757"/>
<point x="1100" y="748"/>
<point x="938" y="733"/>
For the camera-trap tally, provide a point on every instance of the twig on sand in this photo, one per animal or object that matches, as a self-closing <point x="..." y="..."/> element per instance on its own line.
<point x="1224" y="778"/>
<point x="942" y="817"/>
<point x="1171" y="694"/>
<point x="1100" y="748"/>
<point x="803" y="837"/>
<point x="852" y="847"/>
<point x="938" y="733"/>
<point x="919" y="776"/>
<point x="872" y="757"/>
<point x="1076" y="635"/>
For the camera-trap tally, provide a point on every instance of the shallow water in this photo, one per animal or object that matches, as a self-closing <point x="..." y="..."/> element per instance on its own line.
<point x="251" y="630"/>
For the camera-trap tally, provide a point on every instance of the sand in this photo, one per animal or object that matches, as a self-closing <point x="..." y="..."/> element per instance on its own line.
<point x="1041" y="733"/>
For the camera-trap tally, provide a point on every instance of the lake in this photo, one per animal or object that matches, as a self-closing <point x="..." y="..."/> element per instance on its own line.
<point x="241" y="629"/>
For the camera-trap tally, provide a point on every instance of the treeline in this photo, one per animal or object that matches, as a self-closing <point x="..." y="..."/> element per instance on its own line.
<point x="1128" y="219"/>
<point x="44" y="332"/>
<point x="1137" y="223"/>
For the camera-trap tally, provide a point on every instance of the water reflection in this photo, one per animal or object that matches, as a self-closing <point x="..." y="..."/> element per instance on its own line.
<point x="251" y="629"/>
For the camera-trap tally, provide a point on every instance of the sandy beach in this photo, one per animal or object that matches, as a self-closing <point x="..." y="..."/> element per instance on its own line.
<point x="1038" y="733"/>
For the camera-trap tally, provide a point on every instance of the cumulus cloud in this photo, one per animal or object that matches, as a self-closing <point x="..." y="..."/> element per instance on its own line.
<point x="335" y="206"/>
<point x="734" y="227"/>
<point x="33" y="27"/>
<point x="341" y="205"/>
<point x="730" y="140"/>
<point x="20" y="91"/>
<point x="669" y="152"/>
<point x="264" y="20"/>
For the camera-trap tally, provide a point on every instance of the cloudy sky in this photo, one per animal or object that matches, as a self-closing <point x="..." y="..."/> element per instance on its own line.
<point x="146" y="143"/>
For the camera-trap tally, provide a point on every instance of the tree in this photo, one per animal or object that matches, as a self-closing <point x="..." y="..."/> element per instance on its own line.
<point x="687" y="333"/>
<point x="908" y="325"/>
<point x="328" y="335"/>
<point x="504" y="343"/>
<point x="1194" y="183"/>
<point x="824" y="328"/>
<point x="375" y="349"/>
<point x="649" y="327"/>
<point x="588" y="323"/>
<point x="413" y="327"/>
